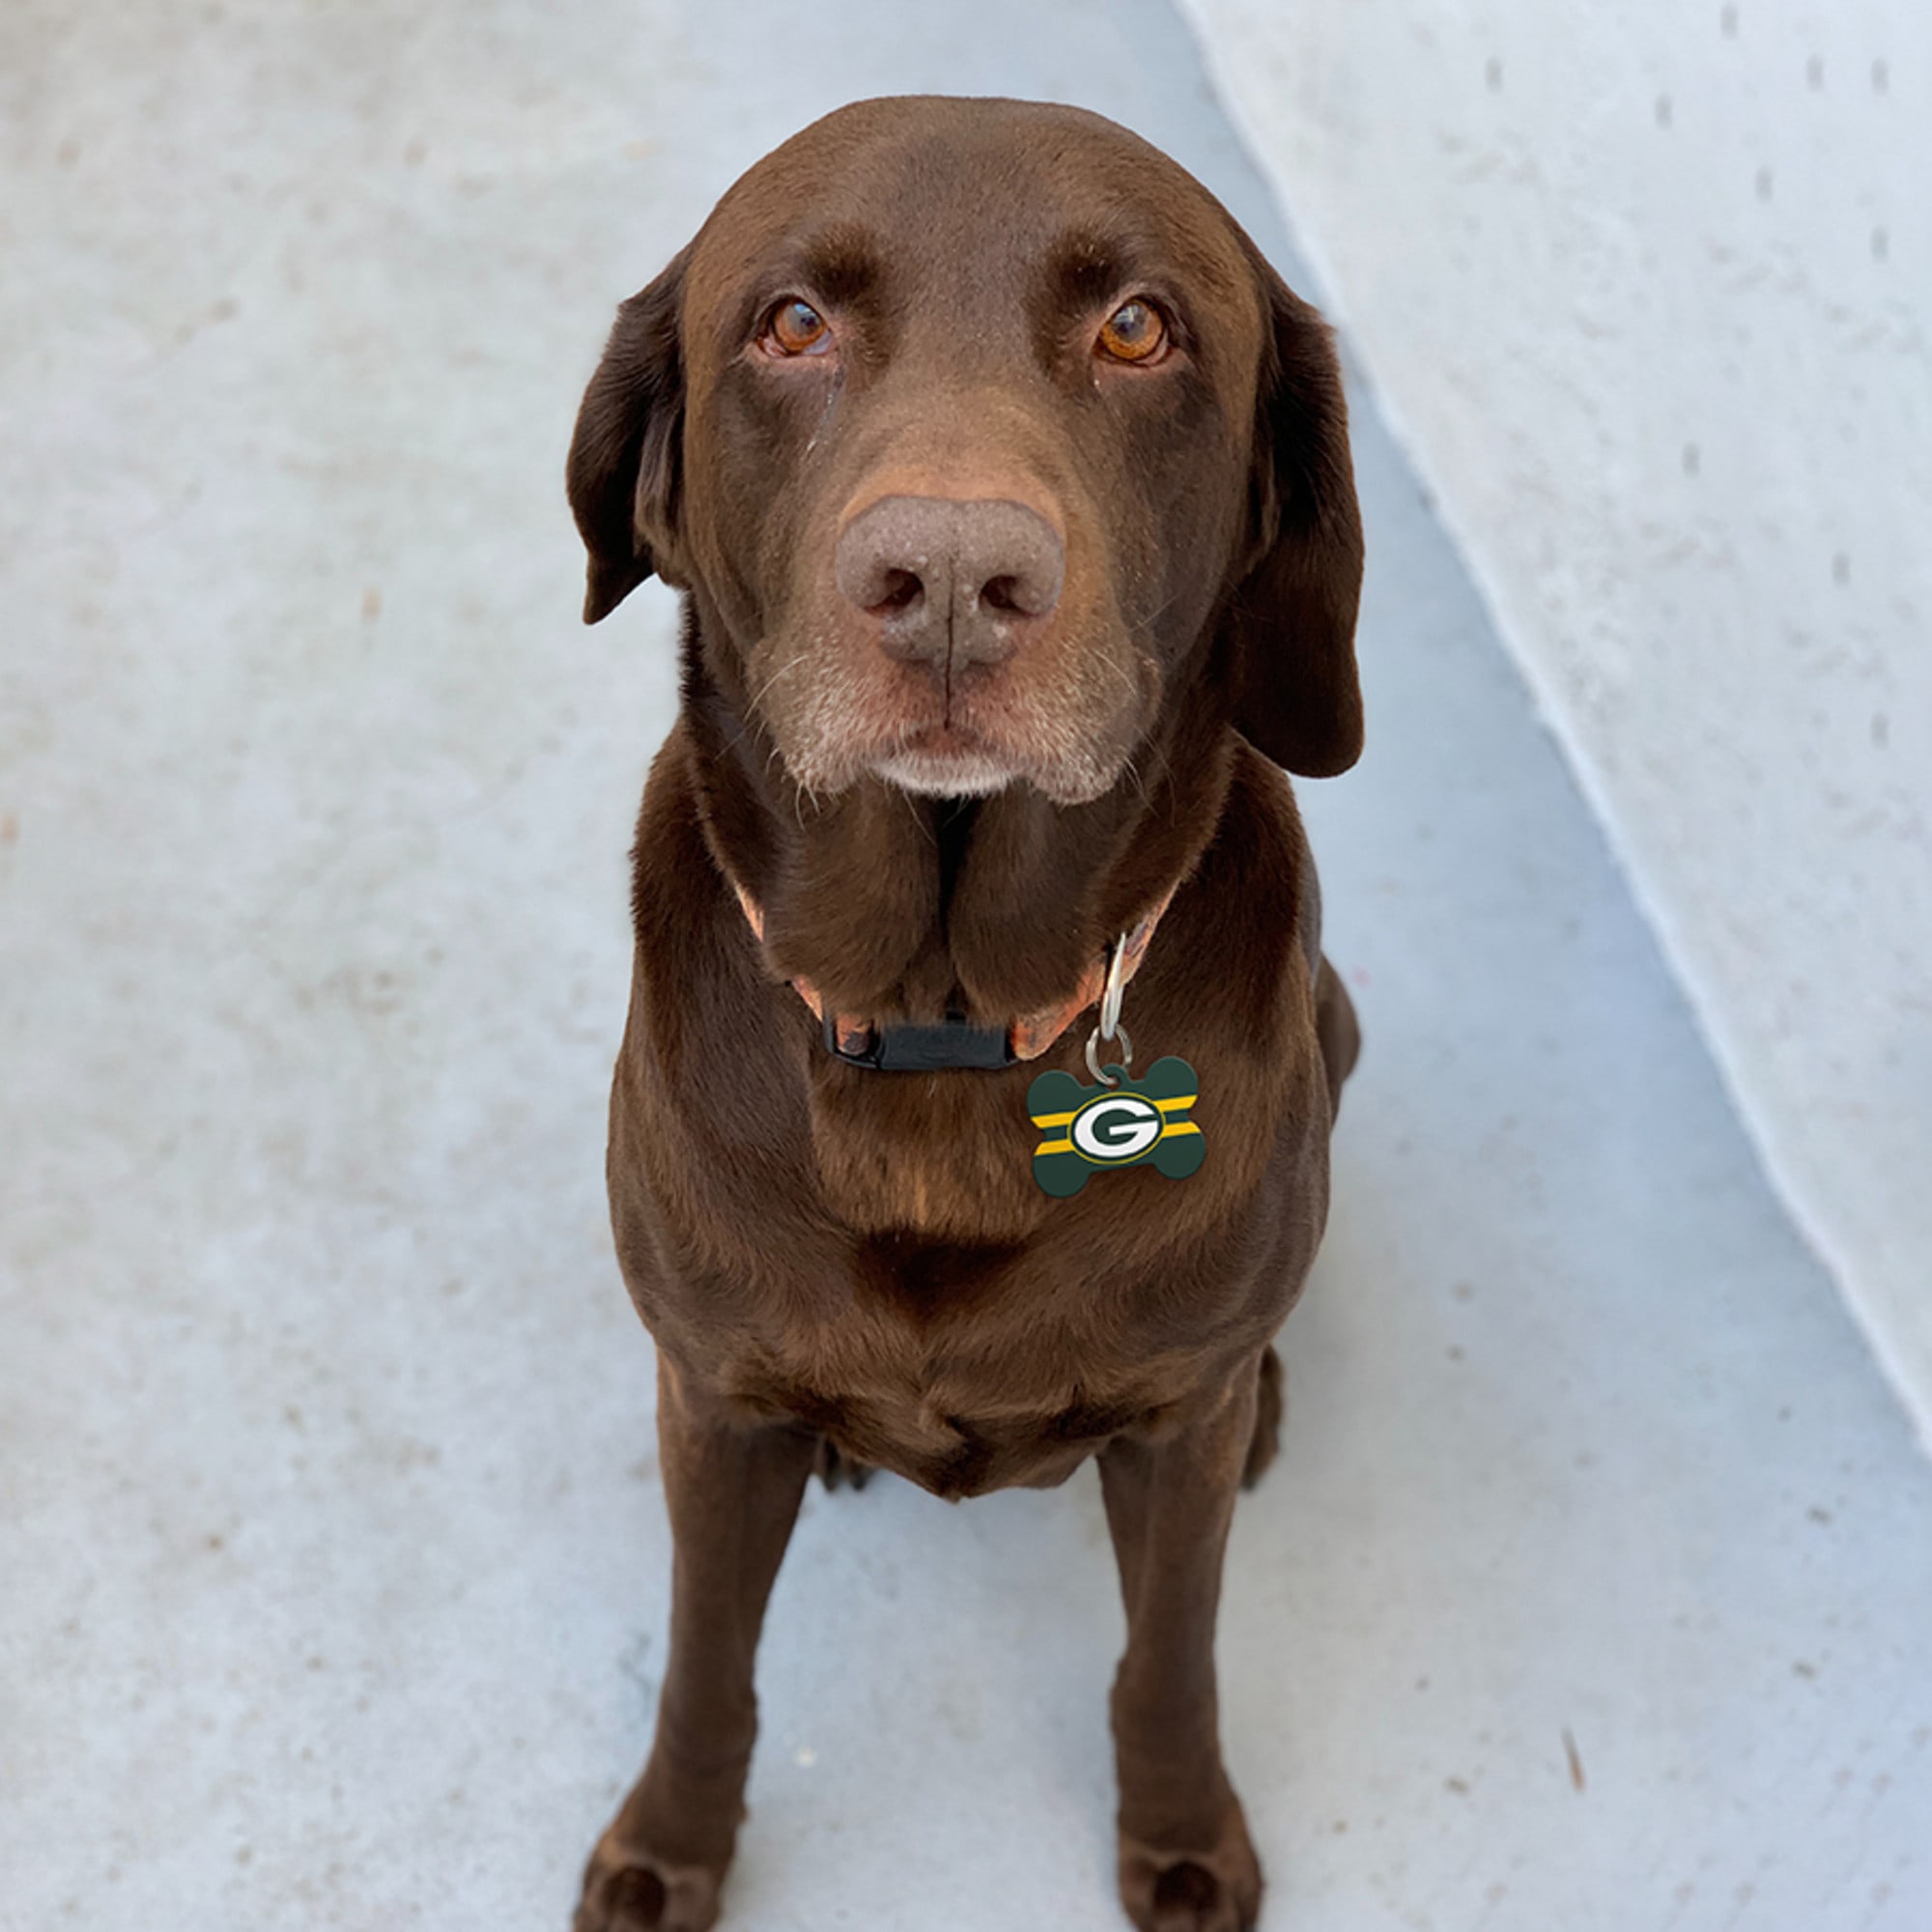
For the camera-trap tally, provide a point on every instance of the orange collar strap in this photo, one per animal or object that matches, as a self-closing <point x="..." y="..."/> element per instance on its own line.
<point x="917" y="1047"/>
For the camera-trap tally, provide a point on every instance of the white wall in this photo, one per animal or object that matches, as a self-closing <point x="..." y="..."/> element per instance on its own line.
<point x="1646" y="288"/>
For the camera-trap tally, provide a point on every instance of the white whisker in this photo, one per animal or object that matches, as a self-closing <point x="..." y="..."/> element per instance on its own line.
<point x="759" y="694"/>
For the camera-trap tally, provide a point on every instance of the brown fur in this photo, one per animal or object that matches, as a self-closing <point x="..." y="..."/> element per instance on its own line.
<point x="846" y="1269"/>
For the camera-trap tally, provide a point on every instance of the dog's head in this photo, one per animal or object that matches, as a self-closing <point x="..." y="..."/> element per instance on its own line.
<point x="974" y="426"/>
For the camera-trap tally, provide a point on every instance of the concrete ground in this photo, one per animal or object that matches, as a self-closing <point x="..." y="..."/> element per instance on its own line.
<point x="1592" y="1591"/>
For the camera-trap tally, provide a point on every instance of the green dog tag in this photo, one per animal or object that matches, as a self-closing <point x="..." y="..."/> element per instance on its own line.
<point x="1134" y="1123"/>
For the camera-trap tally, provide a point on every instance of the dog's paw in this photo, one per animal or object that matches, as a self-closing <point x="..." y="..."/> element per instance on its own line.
<point x="628" y="1889"/>
<point x="1217" y="1890"/>
<point x="836" y="1470"/>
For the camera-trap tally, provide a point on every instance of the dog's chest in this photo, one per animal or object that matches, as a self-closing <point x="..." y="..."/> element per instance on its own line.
<point x="967" y="1367"/>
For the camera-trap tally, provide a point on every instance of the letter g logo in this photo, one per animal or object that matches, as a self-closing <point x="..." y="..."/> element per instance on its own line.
<point x="1116" y="1127"/>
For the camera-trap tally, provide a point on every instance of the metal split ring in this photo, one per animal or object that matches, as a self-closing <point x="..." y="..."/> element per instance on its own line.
<point x="1125" y="1057"/>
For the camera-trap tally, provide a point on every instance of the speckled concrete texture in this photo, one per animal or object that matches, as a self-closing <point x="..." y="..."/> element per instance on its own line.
<point x="1590" y="1592"/>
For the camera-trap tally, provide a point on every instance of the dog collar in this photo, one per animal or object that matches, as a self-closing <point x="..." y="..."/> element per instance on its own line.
<point x="915" y="1047"/>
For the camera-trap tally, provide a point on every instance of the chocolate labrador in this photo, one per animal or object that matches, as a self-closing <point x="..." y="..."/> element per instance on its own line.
<point x="1009" y="495"/>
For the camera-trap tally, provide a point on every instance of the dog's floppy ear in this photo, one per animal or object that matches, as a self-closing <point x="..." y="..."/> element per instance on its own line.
<point x="624" y="470"/>
<point x="1293" y="612"/>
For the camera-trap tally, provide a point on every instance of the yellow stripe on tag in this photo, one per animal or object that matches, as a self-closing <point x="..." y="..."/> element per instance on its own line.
<point x="1055" y="1147"/>
<point x="1167" y="1133"/>
<point x="1178" y="1100"/>
<point x="1051" y="1120"/>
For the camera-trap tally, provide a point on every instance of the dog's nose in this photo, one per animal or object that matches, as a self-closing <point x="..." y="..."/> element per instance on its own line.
<point x="949" y="580"/>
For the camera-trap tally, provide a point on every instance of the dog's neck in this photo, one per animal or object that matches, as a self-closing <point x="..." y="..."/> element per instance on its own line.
<point x="901" y="906"/>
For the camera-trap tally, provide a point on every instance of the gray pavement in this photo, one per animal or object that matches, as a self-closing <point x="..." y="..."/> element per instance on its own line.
<point x="1592" y="1589"/>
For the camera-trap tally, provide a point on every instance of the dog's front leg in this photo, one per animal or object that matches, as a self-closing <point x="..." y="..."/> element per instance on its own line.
<point x="732" y="1488"/>
<point x="1186" y="1861"/>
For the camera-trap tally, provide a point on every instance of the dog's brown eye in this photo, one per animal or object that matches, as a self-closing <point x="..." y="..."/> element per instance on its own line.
<point x="1134" y="332"/>
<point x="797" y="328"/>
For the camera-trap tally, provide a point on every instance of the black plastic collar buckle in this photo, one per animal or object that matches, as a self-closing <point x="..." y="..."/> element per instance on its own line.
<point x="924" y="1048"/>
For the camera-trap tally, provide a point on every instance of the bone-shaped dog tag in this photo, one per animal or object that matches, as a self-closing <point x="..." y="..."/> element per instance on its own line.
<point x="1134" y="1124"/>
